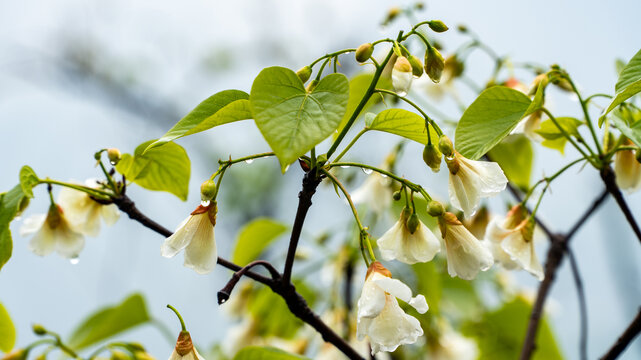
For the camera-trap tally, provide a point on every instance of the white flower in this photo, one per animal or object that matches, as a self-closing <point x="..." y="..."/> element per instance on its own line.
<point x="472" y="180"/>
<point x="529" y="125"/>
<point x="627" y="169"/>
<point x="401" y="244"/>
<point x="465" y="254"/>
<point x="375" y="192"/>
<point x="52" y="232"/>
<point x="184" y="349"/>
<point x="84" y="213"/>
<point x="196" y="235"/>
<point x="512" y="242"/>
<point x="454" y="346"/>
<point x="380" y="317"/>
<point x="402" y="76"/>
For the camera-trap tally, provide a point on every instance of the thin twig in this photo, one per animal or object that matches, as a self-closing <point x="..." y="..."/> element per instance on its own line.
<point x="625" y="339"/>
<point x="610" y="183"/>
<point x="583" y="307"/>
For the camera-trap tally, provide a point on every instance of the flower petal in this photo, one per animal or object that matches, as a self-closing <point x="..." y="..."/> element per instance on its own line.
<point x="201" y="254"/>
<point x="392" y="328"/>
<point x="68" y="242"/>
<point x="372" y="299"/>
<point x="32" y="224"/>
<point x="180" y="238"/>
<point x="523" y="253"/>
<point x="43" y="242"/>
<point x="110" y="213"/>
<point x="465" y="254"/>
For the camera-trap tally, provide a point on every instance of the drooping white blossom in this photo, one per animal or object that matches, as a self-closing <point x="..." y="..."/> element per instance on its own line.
<point x="400" y="243"/>
<point x="185" y="349"/>
<point x="471" y="180"/>
<point x="84" y="213"/>
<point x="375" y="192"/>
<point x="454" y="346"/>
<point x="512" y="241"/>
<point x="196" y="236"/>
<point x="627" y="169"/>
<point x="380" y="318"/>
<point x="52" y="232"/>
<point x="466" y="255"/>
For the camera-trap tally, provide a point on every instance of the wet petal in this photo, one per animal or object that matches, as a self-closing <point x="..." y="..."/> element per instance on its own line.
<point x="32" y="224"/>
<point x="180" y="238"/>
<point x="201" y="254"/>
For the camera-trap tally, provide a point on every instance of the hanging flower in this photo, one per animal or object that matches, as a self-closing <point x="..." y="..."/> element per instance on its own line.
<point x="466" y="255"/>
<point x="403" y="244"/>
<point x="478" y="223"/>
<point x="196" y="235"/>
<point x="454" y="346"/>
<point x="185" y="349"/>
<point x="52" y="232"/>
<point x="84" y="213"/>
<point x="472" y="180"/>
<point x="512" y="243"/>
<point x="402" y="76"/>
<point x="375" y="192"/>
<point x="380" y="318"/>
<point x="627" y="169"/>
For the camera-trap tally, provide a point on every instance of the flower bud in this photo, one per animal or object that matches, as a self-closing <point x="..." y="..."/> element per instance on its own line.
<point x="207" y="190"/>
<point x="435" y="208"/>
<point x="413" y="223"/>
<point x="432" y="157"/>
<point x="453" y="67"/>
<point x="541" y="79"/>
<point x="396" y="195"/>
<point x="438" y="26"/>
<point x="391" y="15"/>
<point x="417" y="66"/>
<point x="402" y="76"/>
<point x="462" y="28"/>
<point x="304" y="73"/>
<point x="118" y="355"/>
<point x="445" y="145"/>
<point x="311" y="86"/>
<point x="39" y="329"/>
<point x="20" y="354"/>
<point x="434" y="64"/>
<point x="364" y="52"/>
<point x="114" y="155"/>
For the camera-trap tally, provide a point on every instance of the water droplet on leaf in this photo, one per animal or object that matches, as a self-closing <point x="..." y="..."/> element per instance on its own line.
<point x="74" y="260"/>
<point x="249" y="161"/>
<point x="367" y="171"/>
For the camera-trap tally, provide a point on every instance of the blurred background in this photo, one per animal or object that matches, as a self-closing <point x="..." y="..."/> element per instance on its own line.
<point x="77" y="76"/>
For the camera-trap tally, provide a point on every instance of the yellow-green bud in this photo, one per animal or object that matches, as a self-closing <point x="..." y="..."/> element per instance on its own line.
<point x="311" y="86"/>
<point x="438" y="26"/>
<point x="118" y="355"/>
<point x="445" y="145"/>
<point x="114" y="155"/>
<point x="364" y="52"/>
<point x="417" y="66"/>
<point x="396" y="195"/>
<point x="462" y="28"/>
<point x="136" y="346"/>
<point x="391" y="15"/>
<point x="454" y="67"/>
<point x="434" y="64"/>
<point x="19" y="354"/>
<point x="39" y="329"/>
<point x="207" y="190"/>
<point x="412" y="223"/>
<point x="435" y="208"/>
<point x="304" y="73"/>
<point x="432" y="157"/>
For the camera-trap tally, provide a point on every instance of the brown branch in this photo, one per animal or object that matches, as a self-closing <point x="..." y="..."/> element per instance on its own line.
<point x="583" y="306"/>
<point x="610" y="183"/>
<point x="625" y="339"/>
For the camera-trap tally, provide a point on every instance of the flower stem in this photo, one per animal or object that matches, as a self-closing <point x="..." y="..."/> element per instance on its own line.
<point x="568" y="136"/>
<point x="349" y="146"/>
<point x="584" y="107"/>
<point x="91" y="191"/>
<point x="182" y="323"/>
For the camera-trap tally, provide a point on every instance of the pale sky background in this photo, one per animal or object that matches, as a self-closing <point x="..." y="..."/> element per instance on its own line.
<point x="54" y="120"/>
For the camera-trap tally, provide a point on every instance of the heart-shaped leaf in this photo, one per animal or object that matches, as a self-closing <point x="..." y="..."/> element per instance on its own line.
<point x="403" y="123"/>
<point x="292" y="120"/>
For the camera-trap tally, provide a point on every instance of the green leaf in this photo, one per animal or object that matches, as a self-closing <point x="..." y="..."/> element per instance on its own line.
<point x="110" y="321"/>
<point x="254" y="237"/>
<point x="7" y="331"/>
<point x="403" y="123"/>
<point x="215" y="110"/>
<point x="632" y="132"/>
<point x="165" y="168"/>
<point x="630" y="74"/>
<point x="489" y="119"/>
<point x="500" y="333"/>
<point x="12" y="203"/>
<point x="539" y="97"/>
<point x="515" y="156"/>
<point x="28" y="179"/>
<point x="358" y="86"/>
<point x="628" y="92"/>
<point x="554" y="138"/>
<point x="265" y="353"/>
<point x="292" y="120"/>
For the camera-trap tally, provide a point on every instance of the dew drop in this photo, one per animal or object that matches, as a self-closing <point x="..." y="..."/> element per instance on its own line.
<point x="249" y="161"/>
<point x="113" y="163"/>
<point x="401" y="93"/>
<point x="383" y="175"/>
<point x="344" y="167"/>
<point x="74" y="260"/>
<point x="367" y="171"/>
<point x="204" y="203"/>
<point x="286" y="168"/>
<point x="222" y="301"/>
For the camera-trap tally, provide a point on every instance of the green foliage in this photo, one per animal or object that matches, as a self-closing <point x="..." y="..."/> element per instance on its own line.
<point x="265" y="353"/>
<point x="515" y="156"/>
<point x="110" y="321"/>
<point x="628" y="85"/>
<point x="12" y="203"/>
<point x="500" y="333"/>
<point x="489" y="119"/>
<point x="554" y="138"/>
<point x="254" y="237"/>
<point x="28" y="179"/>
<point x="221" y="108"/>
<point x="165" y="168"/>
<point x="292" y="120"/>
<point x="539" y="97"/>
<point x="403" y="123"/>
<point x="7" y="331"/>
<point x="632" y="130"/>
<point x="358" y="86"/>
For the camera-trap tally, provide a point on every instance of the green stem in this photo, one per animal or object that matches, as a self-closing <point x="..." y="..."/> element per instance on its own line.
<point x="588" y="122"/>
<point x="411" y="103"/>
<point x="349" y="146"/>
<point x="91" y="191"/>
<point x="182" y="323"/>
<point x="339" y="52"/>
<point x="112" y="185"/>
<point x="589" y="98"/>
<point x="549" y="179"/>
<point x="567" y="136"/>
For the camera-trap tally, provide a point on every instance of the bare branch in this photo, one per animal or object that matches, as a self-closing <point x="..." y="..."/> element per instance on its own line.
<point x="625" y="339"/>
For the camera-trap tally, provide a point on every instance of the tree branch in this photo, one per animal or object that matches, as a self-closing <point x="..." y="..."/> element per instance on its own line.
<point x="625" y="339"/>
<point x="583" y="307"/>
<point x="610" y="184"/>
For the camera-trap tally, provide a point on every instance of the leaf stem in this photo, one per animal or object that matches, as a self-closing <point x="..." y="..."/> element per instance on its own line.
<point x="103" y="195"/>
<point x="584" y="107"/>
<point x="349" y="146"/>
<point x="182" y="322"/>
<point x="568" y="136"/>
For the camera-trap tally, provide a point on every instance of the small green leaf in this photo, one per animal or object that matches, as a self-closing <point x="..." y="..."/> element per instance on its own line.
<point x="7" y="331"/>
<point x="489" y="119"/>
<point x="165" y="168"/>
<point x="292" y="120"/>
<point x="28" y="179"/>
<point x="110" y="321"/>
<point x="403" y="123"/>
<point x="539" y="97"/>
<point x="632" y="132"/>
<point x="254" y="237"/>
<point x="358" y="86"/>
<point x="208" y="114"/>
<point x="265" y="353"/>
<point x="515" y="156"/>
<point x="622" y="96"/>
<point x="554" y="138"/>
<point x="12" y="203"/>
<point x="630" y="73"/>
